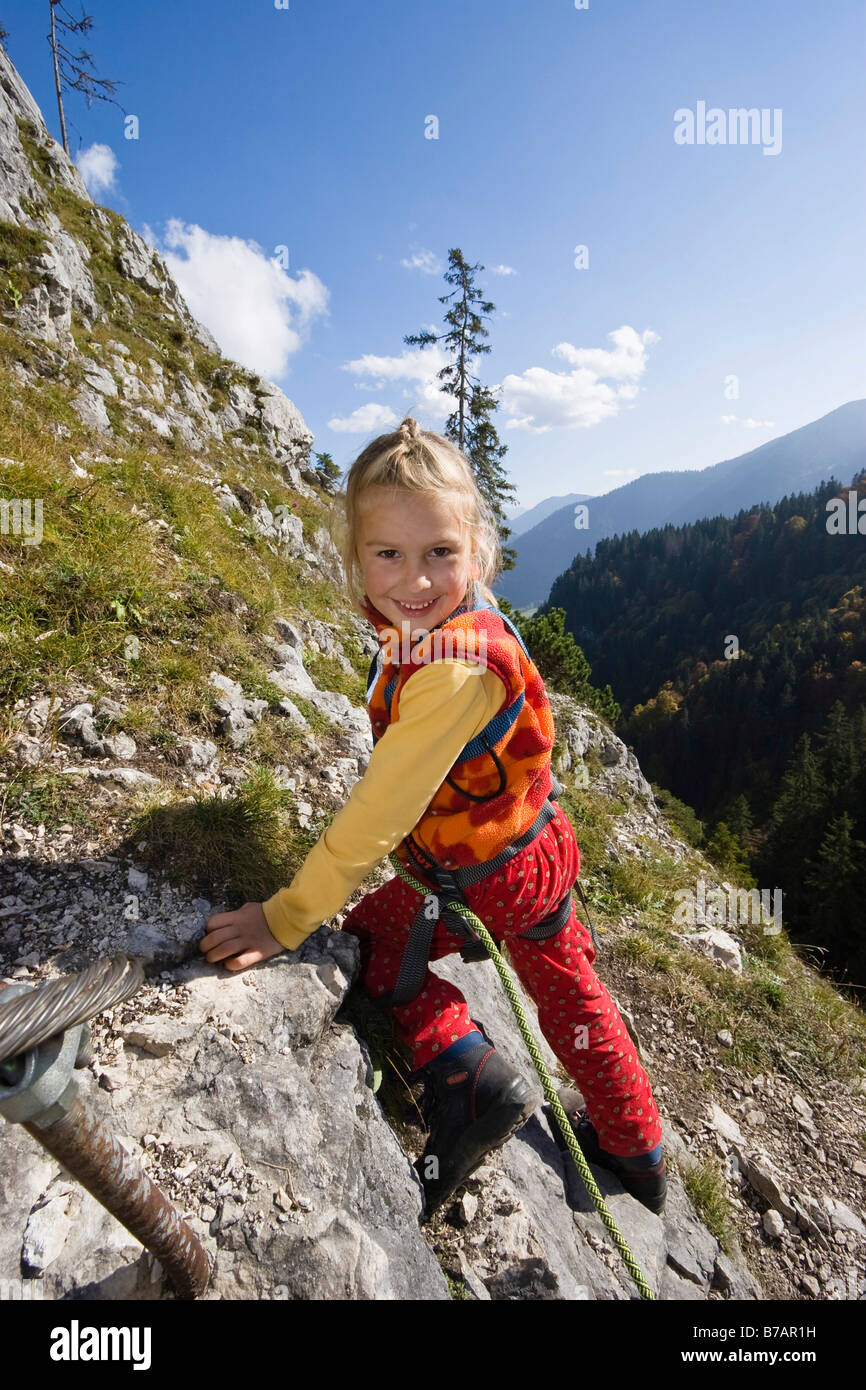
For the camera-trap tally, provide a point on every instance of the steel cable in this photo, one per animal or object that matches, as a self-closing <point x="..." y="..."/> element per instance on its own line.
<point x="55" y="1005"/>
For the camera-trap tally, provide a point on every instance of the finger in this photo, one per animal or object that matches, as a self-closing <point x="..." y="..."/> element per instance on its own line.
<point x="245" y="959"/>
<point x="207" y="943"/>
<point x="221" y="919"/>
<point x="225" y="948"/>
<point x="213" y="938"/>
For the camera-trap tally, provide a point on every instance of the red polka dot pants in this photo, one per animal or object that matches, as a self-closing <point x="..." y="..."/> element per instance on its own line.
<point x="577" y="1015"/>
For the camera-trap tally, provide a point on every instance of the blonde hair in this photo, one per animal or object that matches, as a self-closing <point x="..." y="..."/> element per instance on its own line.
<point x="415" y="460"/>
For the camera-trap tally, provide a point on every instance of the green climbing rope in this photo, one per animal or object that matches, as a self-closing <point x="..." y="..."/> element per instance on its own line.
<point x="555" y="1103"/>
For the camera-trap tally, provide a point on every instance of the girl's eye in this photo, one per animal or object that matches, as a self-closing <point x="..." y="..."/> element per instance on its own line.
<point x="445" y="549"/>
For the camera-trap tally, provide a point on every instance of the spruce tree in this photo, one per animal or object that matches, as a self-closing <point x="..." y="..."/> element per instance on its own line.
<point x="840" y="758"/>
<point x="485" y="453"/>
<point x="69" y="67"/>
<point x="834" y="878"/>
<point x="560" y="661"/>
<point x="739" y="817"/>
<point x="796" y="822"/>
<point x="725" y="851"/>
<point x="327" y="471"/>
<point x="470" y="425"/>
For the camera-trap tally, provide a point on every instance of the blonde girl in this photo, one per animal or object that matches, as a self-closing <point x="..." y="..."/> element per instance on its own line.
<point x="459" y="787"/>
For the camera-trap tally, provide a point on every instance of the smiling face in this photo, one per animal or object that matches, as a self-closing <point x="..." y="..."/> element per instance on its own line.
<point x="414" y="555"/>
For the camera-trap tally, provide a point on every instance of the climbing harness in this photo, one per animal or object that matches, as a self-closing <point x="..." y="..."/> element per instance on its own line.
<point x="451" y="884"/>
<point x="473" y="924"/>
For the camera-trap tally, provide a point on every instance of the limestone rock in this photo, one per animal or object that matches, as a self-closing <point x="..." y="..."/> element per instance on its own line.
<point x="725" y="1125"/>
<point x="46" y="1232"/>
<point x="717" y="945"/>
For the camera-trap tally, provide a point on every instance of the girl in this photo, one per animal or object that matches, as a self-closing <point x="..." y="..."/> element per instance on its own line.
<point x="459" y="786"/>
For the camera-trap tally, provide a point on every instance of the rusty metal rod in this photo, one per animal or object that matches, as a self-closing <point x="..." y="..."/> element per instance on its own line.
<point x="91" y="1154"/>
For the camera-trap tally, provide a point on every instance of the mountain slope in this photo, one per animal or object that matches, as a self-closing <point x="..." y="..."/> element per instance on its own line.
<point x="526" y="520"/>
<point x="833" y="446"/>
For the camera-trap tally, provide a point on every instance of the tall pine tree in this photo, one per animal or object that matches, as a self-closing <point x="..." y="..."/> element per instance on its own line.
<point x="470" y="425"/>
<point x="796" y="823"/>
<point x="834" y="877"/>
<point x="69" y="68"/>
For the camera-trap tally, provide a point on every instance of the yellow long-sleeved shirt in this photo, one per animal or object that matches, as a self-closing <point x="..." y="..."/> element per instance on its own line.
<point x="444" y="705"/>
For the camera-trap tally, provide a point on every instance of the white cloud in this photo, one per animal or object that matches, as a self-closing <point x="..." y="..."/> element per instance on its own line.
<point x="366" y="418"/>
<point x="627" y="359"/>
<point x="620" y="472"/>
<point x="539" y="400"/>
<point x="422" y="395"/>
<point x="258" y="313"/>
<point x="749" y="423"/>
<point x="415" y="364"/>
<point x="425" y="261"/>
<point x="97" y="165"/>
<point x="502" y="270"/>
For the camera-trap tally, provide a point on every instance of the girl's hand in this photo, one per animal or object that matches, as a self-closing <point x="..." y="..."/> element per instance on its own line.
<point x="242" y="935"/>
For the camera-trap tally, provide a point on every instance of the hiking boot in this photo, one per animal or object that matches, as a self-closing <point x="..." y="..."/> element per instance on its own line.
<point x="649" y="1184"/>
<point x="471" y="1105"/>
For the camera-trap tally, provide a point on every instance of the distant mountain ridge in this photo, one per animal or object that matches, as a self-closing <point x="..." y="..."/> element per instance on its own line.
<point x="525" y="521"/>
<point x="834" y="445"/>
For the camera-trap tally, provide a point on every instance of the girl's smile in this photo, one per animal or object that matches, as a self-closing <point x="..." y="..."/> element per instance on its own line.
<point x="414" y="554"/>
<point x="416" y="607"/>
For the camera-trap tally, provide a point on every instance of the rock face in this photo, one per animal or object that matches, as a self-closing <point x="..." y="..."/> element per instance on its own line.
<point x="254" y="1105"/>
<point x="539" y="1219"/>
<point x="59" y="283"/>
<point x="249" y="1100"/>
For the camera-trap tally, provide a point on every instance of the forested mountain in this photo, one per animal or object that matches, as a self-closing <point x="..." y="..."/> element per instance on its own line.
<point x="737" y="649"/>
<point x="648" y="608"/>
<point x="834" y="446"/>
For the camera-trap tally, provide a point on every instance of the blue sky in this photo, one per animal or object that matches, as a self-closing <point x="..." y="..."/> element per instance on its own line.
<point x="723" y="300"/>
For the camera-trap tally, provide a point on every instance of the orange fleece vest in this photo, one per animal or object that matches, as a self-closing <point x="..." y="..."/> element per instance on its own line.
<point x="490" y="798"/>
